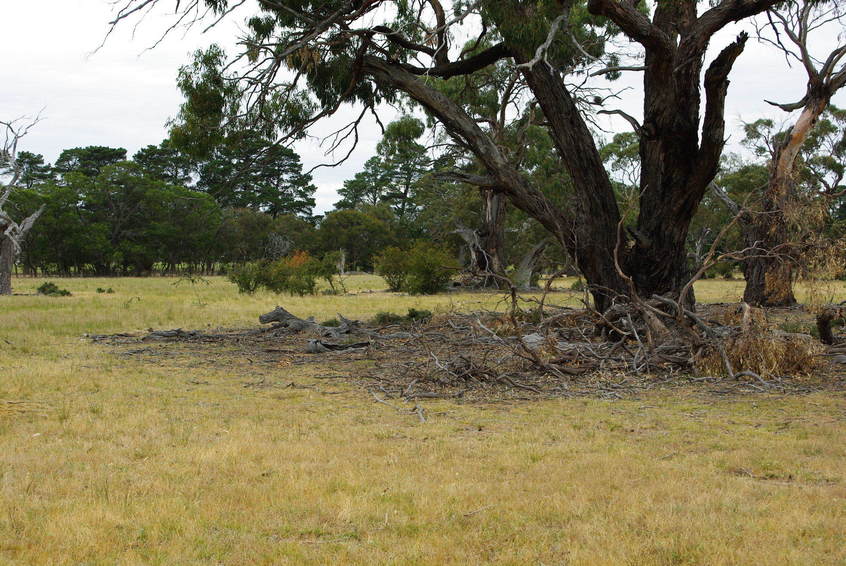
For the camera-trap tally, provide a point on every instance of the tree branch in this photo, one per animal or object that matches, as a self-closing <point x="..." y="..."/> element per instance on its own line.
<point x="714" y="124"/>
<point x="633" y="23"/>
<point x="464" y="67"/>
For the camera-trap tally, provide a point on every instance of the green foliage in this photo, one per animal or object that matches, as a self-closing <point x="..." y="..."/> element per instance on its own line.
<point x="165" y="163"/>
<point x="367" y="187"/>
<point x="88" y="161"/>
<point x="392" y="264"/>
<point x="578" y="285"/>
<point x="108" y="291"/>
<point x="385" y="318"/>
<point x="50" y="289"/>
<point x="424" y="269"/>
<point x="418" y="315"/>
<point x="362" y="234"/>
<point x="392" y="175"/>
<point x="248" y="277"/>
<point x="34" y="171"/>
<point x="330" y="269"/>
<point x="723" y="269"/>
<point x="430" y="268"/>
<point x="248" y="170"/>
<point x="295" y="275"/>
<point x="622" y="157"/>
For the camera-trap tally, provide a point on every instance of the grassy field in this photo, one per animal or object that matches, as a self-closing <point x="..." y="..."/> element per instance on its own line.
<point x="105" y="460"/>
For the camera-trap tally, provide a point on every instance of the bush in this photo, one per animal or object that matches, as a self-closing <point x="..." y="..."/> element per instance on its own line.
<point x="329" y="269"/>
<point x="578" y="285"/>
<point x="392" y="264"/>
<point x="108" y="291"/>
<point x="430" y="268"/>
<point x="52" y="290"/>
<point x="724" y="269"/>
<point x="384" y="318"/>
<point x="415" y="315"/>
<point x="296" y="275"/>
<point x="247" y="276"/>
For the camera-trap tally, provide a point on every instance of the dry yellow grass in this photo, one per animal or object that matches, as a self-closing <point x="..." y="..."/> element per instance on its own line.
<point x="104" y="460"/>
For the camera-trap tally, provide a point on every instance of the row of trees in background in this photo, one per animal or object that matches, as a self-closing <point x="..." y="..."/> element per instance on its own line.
<point x="103" y="214"/>
<point x="515" y="180"/>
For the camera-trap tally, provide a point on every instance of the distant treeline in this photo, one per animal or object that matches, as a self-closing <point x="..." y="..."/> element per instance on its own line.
<point x="161" y="212"/>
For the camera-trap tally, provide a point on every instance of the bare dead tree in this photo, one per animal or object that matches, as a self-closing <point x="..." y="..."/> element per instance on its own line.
<point x="12" y="233"/>
<point x="792" y="27"/>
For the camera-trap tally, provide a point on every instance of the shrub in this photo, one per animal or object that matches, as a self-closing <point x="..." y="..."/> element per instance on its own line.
<point x="392" y="264"/>
<point x="247" y="276"/>
<point x="329" y="269"/>
<point x="384" y="318"/>
<point x="50" y="289"/>
<point x="578" y="285"/>
<point x="415" y="315"/>
<point x="724" y="269"/>
<point x="430" y="268"/>
<point x="108" y="291"/>
<point x="296" y="275"/>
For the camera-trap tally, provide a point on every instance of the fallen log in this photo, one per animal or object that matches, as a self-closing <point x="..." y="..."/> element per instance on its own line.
<point x="284" y="320"/>
<point x="321" y="347"/>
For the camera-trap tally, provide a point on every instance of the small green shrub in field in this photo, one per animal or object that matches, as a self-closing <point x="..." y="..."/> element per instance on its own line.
<point x="430" y="268"/>
<point x="333" y="322"/>
<point x="248" y="277"/>
<point x="385" y="318"/>
<point x="392" y="264"/>
<point x="415" y="315"/>
<point x="724" y="269"/>
<point x="425" y="269"/>
<point x="50" y="289"/>
<point x="578" y="285"/>
<point x="108" y="291"/>
<point x="295" y="275"/>
<point x="329" y="269"/>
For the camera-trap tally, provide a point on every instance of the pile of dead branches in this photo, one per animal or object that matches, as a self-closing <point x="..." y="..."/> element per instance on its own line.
<point x="546" y="351"/>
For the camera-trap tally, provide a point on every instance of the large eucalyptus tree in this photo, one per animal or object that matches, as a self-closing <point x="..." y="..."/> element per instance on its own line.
<point x="302" y="60"/>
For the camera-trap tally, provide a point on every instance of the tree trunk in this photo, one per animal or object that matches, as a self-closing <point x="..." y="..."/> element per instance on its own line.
<point x="526" y="273"/>
<point x="769" y="269"/>
<point x="492" y="237"/>
<point x="769" y="282"/>
<point x="7" y="262"/>
<point x="677" y="165"/>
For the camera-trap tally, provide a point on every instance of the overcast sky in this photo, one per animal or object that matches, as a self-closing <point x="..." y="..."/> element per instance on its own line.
<point x="122" y="95"/>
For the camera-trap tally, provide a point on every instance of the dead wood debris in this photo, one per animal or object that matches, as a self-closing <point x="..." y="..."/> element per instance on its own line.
<point x="551" y="352"/>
